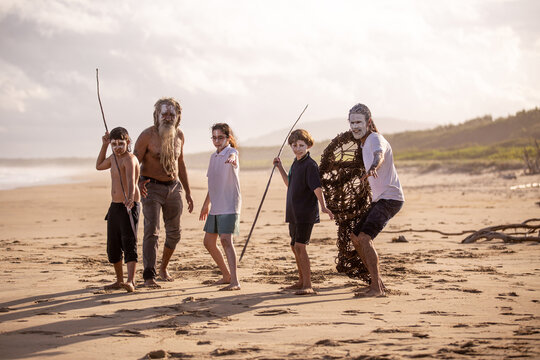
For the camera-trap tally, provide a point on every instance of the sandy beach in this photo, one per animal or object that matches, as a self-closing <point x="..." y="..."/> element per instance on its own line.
<point x="446" y="299"/>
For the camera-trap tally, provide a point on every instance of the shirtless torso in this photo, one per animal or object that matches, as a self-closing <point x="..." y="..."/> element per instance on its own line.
<point x="148" y="149"/>
<point x="129" y="168"/>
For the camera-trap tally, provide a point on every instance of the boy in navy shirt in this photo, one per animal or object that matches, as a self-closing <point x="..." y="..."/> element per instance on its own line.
<point x="302" y="212"/>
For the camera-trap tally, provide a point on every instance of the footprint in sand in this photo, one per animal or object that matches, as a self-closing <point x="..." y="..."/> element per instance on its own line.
<point x="38" y="332"/>
<point x="265" y="330"/>
<point x="274" y="312"/>
<point x="157" y="354"/>
<point x="355" y="312"/>
<point x="327" y="342"/>
<point x="97" y="316"/>
<point x="227" y="352"/>
<point x="129" y="333"/>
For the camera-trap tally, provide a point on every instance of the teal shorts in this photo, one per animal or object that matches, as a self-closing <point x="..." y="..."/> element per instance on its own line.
<point x="222" y="224"/>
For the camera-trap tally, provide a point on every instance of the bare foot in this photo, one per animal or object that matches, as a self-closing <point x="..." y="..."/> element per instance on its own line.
<point x="231" y="287"/>
<point x="151" y="283"/>
<point x="362" y="290"/>
<point x="114" y="286"/>
<point x="296" y="286"/>
<point x="370" y="293"/>
<point x="221" y="282"/>
<point x="308" y="291"/>
<point x="164" y="275"/>
<point x="129" y="286"/>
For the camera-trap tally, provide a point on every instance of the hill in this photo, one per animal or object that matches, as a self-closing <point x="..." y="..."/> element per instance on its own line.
<point x="517" y="129"/>
<point x="326" y="129"/>
<point x="499" y="142"/>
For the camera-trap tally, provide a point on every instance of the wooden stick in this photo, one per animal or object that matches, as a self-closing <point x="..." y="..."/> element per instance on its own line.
<point x="268" y="185"/>
<point x="114" y="156"/>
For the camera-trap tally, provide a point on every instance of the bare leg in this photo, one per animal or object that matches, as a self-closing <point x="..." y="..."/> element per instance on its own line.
<point x="305" y="266"/>
<point x="230" y="252"/>
<point x="119" y="277"/>
<point x="360" y="252"/>
<point x="210" y="243"/>
<point x="129" y="285"/>
<point x="163" y="272"/>
<point x="299" y="283"/>
<point x="364" y="245"/>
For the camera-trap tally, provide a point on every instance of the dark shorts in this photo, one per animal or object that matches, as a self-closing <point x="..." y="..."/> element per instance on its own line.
<point x="222" y="224"/>
<point x="300" y="233"/>
<point x="377" y="217"/>
<point x="120" y="237"/>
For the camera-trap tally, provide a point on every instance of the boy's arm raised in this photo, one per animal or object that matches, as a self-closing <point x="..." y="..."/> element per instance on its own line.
<point x="103" y="163"/>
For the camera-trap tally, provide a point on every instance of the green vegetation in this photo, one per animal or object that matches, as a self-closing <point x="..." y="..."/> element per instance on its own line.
<point x="494" y="153"/>
<point x="478" y="143"/>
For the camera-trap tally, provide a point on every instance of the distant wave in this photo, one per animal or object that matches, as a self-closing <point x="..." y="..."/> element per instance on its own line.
<point x="16" y="173"/>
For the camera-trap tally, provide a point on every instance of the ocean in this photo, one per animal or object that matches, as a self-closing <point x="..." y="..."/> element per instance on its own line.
<point x="17" y="173"/>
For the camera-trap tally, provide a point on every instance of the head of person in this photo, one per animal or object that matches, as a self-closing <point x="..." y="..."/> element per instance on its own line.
<point x="167" y="115"/>
<point x="120" y="140"/>
<point x="360" y="121"/>
<point x="300" y="141"/>
<point x="167" y="111"/>
<point x="222" y="135"/>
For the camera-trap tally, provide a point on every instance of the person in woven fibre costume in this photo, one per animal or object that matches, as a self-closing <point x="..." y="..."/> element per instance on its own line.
<point x="387" y="194"/>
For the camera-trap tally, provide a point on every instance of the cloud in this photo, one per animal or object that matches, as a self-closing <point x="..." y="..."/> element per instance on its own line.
<point x="56" y="16"/>
<point x="16" y="89"/>
<point x="256" y="64"/>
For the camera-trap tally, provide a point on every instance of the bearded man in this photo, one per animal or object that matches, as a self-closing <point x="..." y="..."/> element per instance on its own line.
<point x="387" y="194"/>
<point x="159" y="149"/>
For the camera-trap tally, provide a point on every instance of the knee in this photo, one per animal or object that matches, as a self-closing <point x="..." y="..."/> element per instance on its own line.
<point x="172" y="241"/>
<point x="130" y="256"/>
<point x="361" y="240"/>
<point x="226" y="242"/>
<point x="299" y="248"/>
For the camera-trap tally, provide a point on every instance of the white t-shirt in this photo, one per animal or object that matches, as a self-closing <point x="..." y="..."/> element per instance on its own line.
<point x="224" y="183"/>
<point x="386" y="185"/>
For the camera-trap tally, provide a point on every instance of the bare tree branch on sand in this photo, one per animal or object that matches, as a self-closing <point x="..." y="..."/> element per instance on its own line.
<point x="521" y="232"/>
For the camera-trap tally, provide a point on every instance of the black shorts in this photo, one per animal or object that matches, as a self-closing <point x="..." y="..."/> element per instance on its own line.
<point x="377" y="217"/>
<point x="120" y="237"/>
<point x="300" y="233"/>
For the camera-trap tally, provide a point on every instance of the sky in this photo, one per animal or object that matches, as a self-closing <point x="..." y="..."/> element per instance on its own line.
<point x="255" y="65"/>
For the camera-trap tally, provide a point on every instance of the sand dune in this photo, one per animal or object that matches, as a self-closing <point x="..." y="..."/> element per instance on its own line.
<point x="446" y="299"/>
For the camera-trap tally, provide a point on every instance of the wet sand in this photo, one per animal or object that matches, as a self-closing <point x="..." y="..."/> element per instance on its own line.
<point x="446" y="299"/>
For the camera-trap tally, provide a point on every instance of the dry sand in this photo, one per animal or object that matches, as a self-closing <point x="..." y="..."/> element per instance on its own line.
<point x="446" y="300"/>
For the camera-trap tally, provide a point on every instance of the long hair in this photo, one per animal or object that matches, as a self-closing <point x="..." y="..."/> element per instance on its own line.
<point x="157" y="109"/>
<point x="364" y="110"/>
<point x="167" y="133"/>
<point x="226" y="129"/>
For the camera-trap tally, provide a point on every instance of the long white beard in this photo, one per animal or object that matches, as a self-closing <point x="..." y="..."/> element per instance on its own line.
<point x="167" y="132"/>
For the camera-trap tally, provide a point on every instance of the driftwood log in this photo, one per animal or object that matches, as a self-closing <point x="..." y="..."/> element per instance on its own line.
<point x="341" y="169"/>
<point x="521" y="232"/>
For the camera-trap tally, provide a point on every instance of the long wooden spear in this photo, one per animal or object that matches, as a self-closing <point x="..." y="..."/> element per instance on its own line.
<point x="268" y="184"/>
<point x="115" y="159"/>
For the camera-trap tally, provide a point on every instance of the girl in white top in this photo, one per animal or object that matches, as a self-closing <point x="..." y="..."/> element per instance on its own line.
<point x="224" y="195"/>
